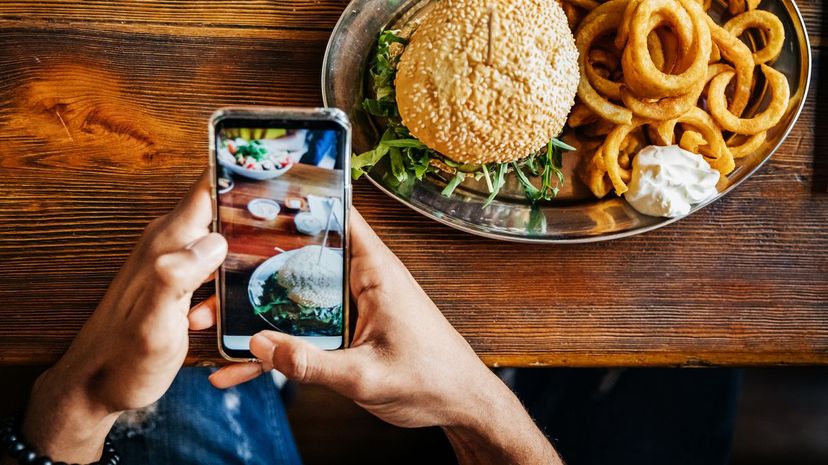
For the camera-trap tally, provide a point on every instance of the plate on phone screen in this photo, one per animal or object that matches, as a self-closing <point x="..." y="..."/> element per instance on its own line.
<point x="269" y="300"/>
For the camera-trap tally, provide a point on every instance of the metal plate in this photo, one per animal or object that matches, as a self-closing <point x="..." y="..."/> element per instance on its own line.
<point x="575" y="216"/>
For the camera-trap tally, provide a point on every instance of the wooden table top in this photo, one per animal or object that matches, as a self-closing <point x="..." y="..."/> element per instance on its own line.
<point x="103" y="118"/>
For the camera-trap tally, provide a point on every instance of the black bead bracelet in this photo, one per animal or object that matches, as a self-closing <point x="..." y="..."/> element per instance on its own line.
<point x="12" y="442"/>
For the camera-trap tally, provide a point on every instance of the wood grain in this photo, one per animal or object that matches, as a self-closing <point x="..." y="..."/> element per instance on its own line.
<point x="103" y="111"/>
<point x="266" y="14"/>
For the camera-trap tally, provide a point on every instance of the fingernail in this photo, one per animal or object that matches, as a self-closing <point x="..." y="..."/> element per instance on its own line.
<point x="210" y="247"/>
<point x="261" y="346"/>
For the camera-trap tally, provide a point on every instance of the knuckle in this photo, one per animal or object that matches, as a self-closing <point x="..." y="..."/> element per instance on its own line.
<point x="293" y="362"/>
<point x="151" y="341"/>
<point x="167" y="270"/>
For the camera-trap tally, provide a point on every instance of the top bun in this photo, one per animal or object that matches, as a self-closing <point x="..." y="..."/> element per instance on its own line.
<point x="488" y="80"/>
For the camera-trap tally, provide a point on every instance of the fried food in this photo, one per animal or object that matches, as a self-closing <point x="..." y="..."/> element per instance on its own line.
<point x="588" y="5"/>
<point x="581" y="115"/>
<point x="735" y="51"/>
<point x="605" y="86"/>
<point x="760" y="122"/>
<point x="768" y="23"/>
<point x="750" y="145"/>
<point x="611" y="151"/>
<point x="692" y="141"/>
<point x="601" y="21"/>
<point x="665" y="108"/>
<point x="574" y="15"/>
<point x="640" y="73"/>
<point x="663" y="72"/>
<point x="736" y="7"/>
<point x="718" y="155"/>
<point x="593" y="174"/>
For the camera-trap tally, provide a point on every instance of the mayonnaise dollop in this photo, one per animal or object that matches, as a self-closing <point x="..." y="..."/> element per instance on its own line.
<point x="667" y="181"/>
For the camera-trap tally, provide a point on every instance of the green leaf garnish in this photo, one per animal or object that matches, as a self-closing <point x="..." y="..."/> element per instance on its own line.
<point x="455" y="181"/>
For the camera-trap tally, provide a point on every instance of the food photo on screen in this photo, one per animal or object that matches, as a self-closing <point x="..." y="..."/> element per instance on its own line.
<point x="280" y="206"/>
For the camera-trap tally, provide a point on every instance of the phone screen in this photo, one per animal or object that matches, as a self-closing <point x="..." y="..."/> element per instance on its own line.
<point x="281" y="197"/>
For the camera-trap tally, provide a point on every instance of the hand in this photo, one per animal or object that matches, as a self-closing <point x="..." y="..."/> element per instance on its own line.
<point x="128" y="352"/>
<point x="407" y="365"/>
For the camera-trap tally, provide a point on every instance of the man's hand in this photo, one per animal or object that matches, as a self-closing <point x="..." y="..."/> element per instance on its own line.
<point x="131" y="348"/>
<point x="407" y="365"/>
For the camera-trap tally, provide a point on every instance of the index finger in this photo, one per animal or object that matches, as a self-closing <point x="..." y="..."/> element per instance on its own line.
<point x="196" y="207"/>
<point x="364" y="241"/>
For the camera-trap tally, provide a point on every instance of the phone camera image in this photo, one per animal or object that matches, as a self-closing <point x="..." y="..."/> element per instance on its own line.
<point x="281" y="207"/>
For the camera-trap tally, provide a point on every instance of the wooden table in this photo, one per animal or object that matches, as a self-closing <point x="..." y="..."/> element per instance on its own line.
<point x="103" y="113"/>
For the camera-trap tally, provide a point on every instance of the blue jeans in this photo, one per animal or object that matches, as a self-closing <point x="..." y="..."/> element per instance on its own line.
<point x="196" y="424"/>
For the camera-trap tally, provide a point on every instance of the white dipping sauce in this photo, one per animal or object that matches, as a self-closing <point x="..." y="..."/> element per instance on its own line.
<point x="667" y="181"/>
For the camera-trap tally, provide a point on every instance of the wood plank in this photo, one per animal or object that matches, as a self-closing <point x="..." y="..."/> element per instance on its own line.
<point x="300" y="14"/>
<point x="103" y="127"/>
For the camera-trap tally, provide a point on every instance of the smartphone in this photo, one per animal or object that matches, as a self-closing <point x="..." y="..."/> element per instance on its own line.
<point x="281" y="192"/>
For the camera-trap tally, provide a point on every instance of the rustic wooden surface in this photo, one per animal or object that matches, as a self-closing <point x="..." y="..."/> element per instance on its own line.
<point x="103" y="111"/>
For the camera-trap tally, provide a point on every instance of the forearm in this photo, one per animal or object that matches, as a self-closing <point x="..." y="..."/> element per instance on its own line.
<point x="63" y="423"/>
<point x="502" y="433"/>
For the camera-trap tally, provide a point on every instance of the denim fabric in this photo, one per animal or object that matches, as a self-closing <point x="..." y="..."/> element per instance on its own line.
<point x="195" y="423"/>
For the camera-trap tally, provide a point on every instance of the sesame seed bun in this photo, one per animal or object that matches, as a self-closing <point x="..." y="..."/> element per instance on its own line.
<point x="488" y="80"/>
<point x="311" y="279"/>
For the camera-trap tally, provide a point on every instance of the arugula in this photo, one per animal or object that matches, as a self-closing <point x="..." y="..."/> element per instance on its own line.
<point x="273" y="294"/>
<point x="254" y="149"/>
<point x="455" y="181"/>
<point x="411" y="160"/>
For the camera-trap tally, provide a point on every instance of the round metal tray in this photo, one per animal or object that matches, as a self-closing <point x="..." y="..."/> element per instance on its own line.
<point x="575" y="216"/>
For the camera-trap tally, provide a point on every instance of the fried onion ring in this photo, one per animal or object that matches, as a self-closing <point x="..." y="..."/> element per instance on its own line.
<point x="765" y="21"/>
<point x="594" y="174"/>
<point x="736" y="7"/>
<point x="654" y="44"/>
<point x="581" y="115"/>
<point x="692" y="141"/>
<point x="720" y="158"/>
<point x="735" y="51"/>
<point x="574" y="15"/>
<point x="715" y="54"/>
<point x="600" y="21"/>
<point x="663" y="132"/>
<point x="670" y="47"/>
<point x="760" y="122"/>
<point x="605" y="59"/>
<point x="588" y="5"/>
<point x="611" y="150"/>
<point x="599" y="129"/>
<point x="717" y="69"/>
<point x="749" y="146"/>
<point x="605" y="86"/>
<point x="666" y="108"/>
<point x="624" y="29"/>
<point x="640" y="73"/>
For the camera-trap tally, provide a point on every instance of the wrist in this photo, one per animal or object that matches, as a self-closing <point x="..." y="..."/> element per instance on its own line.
<point x="497" y="429"/>
<point x="484" y="405"/>
<point x="63" y="422"/>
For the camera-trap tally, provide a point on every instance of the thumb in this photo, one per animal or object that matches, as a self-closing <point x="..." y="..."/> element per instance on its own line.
<point x="183" y="271"/>
<point x="302" y="361"/>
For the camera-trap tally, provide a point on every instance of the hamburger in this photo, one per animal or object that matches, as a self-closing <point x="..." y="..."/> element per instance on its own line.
<point x="312" y="277"/>
<point x="475" y="88"/>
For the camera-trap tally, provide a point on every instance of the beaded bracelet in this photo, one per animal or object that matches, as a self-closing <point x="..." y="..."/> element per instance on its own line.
<point x="12" y="441"/>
